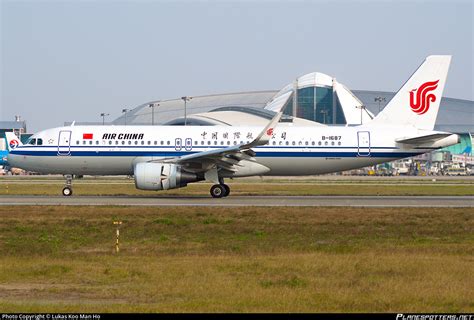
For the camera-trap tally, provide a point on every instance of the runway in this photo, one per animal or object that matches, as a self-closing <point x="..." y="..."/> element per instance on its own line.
<point x="244" y="201"/>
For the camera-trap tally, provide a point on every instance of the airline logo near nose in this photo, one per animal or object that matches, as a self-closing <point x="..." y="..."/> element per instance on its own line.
<point x="14" y="144"/>
<point x="420" y="103"/>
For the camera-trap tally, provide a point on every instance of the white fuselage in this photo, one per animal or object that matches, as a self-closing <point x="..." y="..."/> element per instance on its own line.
<point x="114" y="150"/>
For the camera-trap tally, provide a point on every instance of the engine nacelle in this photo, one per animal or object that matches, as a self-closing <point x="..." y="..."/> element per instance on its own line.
<point x="161" y="176"/>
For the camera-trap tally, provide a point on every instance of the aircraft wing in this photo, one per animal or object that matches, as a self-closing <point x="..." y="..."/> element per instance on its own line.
<point x="229" y="157"/>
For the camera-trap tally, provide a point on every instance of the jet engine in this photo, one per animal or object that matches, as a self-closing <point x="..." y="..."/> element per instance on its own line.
<point x="161" y="176"/>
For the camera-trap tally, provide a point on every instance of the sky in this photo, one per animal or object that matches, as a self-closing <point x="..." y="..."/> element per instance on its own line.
<point x="72" y="60"/>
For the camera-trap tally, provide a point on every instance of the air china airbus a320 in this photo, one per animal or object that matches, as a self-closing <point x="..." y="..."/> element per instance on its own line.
<point x="168" y="157"/>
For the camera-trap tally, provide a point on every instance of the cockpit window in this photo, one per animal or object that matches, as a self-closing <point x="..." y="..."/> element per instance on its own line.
<point x="39" y="142"/>
<point x="31" y="141"/>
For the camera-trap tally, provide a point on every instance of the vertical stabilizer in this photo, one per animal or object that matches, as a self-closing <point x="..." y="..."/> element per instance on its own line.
<point x="12" y="140"/>
<point x="416" y="104"/>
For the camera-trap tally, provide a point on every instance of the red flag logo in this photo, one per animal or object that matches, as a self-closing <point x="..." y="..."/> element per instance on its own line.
<point x="423" y="99"/>
<point x="87" y="136"/>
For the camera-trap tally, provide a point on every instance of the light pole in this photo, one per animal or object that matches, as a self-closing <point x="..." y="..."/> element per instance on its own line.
<point x="152" y="106"/>
<point x="324" y="112"/>
<point x="380" y="99"/>
<point x="125" y="111"/>
<point x="362" y="107"/>
<point x="185" y="99"/>
<point x="103" y="115"/>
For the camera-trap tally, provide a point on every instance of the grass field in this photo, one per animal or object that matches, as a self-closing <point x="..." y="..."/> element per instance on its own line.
<point x="267" y="186"/>
<point x="59" y="259"/>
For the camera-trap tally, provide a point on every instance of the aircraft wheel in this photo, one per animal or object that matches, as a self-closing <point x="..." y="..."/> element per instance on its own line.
<point x="67" y="191"/>
<point x="226" y="190"/>
<point x="217" y="191"/>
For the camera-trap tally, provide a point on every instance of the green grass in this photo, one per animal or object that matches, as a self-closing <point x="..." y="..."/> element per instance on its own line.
<point x="270" y="187"/>
<point x="61" y="259"/>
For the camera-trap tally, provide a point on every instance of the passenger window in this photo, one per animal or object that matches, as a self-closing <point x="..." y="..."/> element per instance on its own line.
<point x="84" y="142"/>
<point x="280" y="143"/>
<point x="306" y="143"/>
<point x="136" y="142"/>
<point x="129" y="142"/>
<point x="222" y="143"/>
<point x="202" y="143"/>
<point x="77" y="142"/>
<point x="123" y="142"/>
<point x="155" y="143"/>
<point x="110" y="142"/>
<point x="149" y="142"/>
<point x="287" y="142"/>
<point x="209" y="143"/>
<point x="319" y="143"/>
<point x="116" y="142"/>
<point x="162" y="143"/>
<point x="228" y="143"/>
<point x="215" y="143"/>
<point x="97" y="142"/>
<point x="90" y="142"/>
<point x="168" y="142"/>
<point x="326" y="143"/>
<point x="332" y="143"/>
<point x="312" y="143"/>
<point x="339" y="143"/>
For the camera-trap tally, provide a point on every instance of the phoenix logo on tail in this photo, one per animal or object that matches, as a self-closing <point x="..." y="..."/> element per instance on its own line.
<point x="423" y="99"/>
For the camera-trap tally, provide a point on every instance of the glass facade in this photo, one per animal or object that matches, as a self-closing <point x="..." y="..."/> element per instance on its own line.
<point x="306" y="103"/>
<point x="317" y="104"/>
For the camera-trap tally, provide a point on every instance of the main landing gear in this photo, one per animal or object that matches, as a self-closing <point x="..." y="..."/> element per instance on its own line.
<point x="67" y="190"/>
<point x="220" y="190"/>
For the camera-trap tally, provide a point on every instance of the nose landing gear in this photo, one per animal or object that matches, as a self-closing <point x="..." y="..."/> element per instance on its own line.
<point x="67" y="190"/>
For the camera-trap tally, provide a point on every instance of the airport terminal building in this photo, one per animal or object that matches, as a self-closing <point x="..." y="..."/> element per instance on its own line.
<point x="318" y="99"/>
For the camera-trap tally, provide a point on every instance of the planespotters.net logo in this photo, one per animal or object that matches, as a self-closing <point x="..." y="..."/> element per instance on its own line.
<point x="402" y="316"/>
<point x="420" y="103"/>
<point x="14" y="144"/>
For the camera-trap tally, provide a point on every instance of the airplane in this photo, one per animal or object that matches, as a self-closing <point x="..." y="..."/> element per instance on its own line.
<point x="169" y="157"/>
<point x="3" y="156"/>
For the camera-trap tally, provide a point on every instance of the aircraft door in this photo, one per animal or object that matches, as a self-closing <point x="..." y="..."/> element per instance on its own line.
<point x="363" y="143"/>
<point x="178" y="144"/>
<point x="64" y="143"/>
<point x="188" y="144"/>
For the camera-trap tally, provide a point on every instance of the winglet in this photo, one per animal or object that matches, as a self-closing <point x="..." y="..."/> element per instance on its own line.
<point x="267" y="132"/>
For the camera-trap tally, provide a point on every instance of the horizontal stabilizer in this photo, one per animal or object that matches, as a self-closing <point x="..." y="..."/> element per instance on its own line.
<point x="424" y="139"/>
<point x="435" y="140"/>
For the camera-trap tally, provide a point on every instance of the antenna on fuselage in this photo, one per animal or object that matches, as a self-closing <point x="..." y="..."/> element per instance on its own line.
<point x="73" y="123"/>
